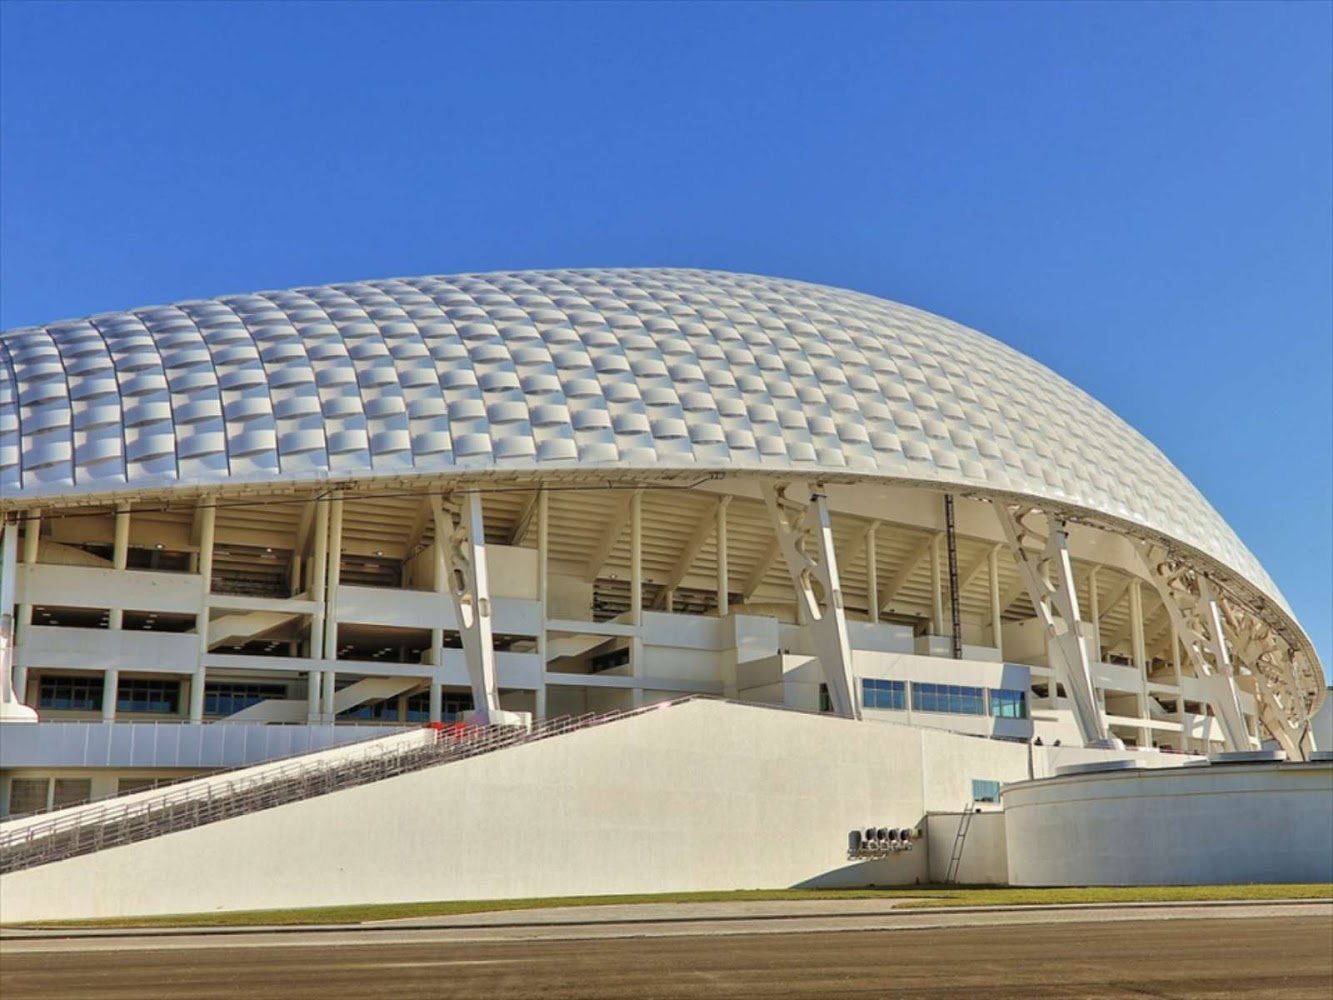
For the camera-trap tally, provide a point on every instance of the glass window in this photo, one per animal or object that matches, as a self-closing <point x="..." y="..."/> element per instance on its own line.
<point x="385" y="710"/>
<point x="71" y="792"/>
<point x="877" y="693"/>
<point x="27" y="795"/>
<point x="985" y="791"/>
<point x="222" y="698"/>
<point x="455" y="704"/>
<point x="151" y="694"/>
<point x="64" y="693"/>
<point x="1006" y="704"/>
<point x="948" y="698"/>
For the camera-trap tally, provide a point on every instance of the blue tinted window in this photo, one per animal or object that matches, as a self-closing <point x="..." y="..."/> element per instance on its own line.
<point x="876" y="693"/>
<point x="452" y="706"/>
<point x="148" y="695"/>
<point x="224" y="698"/>
<point x="1006" y="704"/>
<point x="948" y="698"/>
<point x="985" y="791"/>
<point x="83" y="694"/>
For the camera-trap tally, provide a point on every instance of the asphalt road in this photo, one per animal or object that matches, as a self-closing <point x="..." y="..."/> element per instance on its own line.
<point x="1178" y="958"/>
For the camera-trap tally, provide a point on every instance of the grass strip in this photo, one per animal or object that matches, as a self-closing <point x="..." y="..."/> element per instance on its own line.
<point x="911" y="896"/>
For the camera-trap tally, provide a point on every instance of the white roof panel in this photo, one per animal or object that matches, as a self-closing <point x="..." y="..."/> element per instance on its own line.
<point x="606" y="369"/>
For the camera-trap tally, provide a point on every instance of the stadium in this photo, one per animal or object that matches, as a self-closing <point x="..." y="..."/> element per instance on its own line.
<point x="692" y="579"/>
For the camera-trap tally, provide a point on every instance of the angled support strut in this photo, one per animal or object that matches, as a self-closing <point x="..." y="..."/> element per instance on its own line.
<point x="805" y="536"/>
<point x="1197" y="617"/>
<point x="1049" y="582"/>
<point x="463" y="545"/>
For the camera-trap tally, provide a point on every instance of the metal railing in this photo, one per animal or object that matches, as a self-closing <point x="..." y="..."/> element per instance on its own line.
<point x="192" y="803"/>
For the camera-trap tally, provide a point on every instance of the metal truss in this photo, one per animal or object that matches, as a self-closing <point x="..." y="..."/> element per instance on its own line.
<point x="805" y="536"/>
<point x="462" y="543"/>
<point x="1049" y="581"/>
<point x="1287" y="685"/>
<point x="1193" y="606"/>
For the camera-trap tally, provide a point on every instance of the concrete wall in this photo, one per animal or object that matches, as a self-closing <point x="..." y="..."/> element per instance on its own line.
<point x="1322" y="724"/>
<point x="702" y="795"/>
<point x="1197" y="825"/>
<point x="984" y="859"/>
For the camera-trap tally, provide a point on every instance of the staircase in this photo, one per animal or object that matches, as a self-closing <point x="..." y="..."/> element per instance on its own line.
<point x="85" y="829"/>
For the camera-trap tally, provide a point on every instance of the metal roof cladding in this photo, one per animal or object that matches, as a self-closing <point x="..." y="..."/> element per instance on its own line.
<point x="524" y="372"/>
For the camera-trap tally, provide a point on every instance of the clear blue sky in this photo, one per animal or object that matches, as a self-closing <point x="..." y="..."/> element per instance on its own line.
<point x="1140" y="196"/>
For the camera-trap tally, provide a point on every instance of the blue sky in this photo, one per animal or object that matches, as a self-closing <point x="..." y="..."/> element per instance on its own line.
<point x="1140" y="196"/>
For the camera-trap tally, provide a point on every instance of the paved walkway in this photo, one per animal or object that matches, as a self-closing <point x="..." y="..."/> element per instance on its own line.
<point x="645" y="920"/>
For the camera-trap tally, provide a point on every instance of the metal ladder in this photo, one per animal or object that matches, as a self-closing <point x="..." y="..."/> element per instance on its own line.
<point x="956" y="857"/>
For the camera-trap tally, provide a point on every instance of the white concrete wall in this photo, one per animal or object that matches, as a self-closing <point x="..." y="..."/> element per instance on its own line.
<point x="1322" y="724"/>
<point x="101" y="649"/>
<point x="1198" y="825"/>
<point x="97" y="587"/>
<point x="704" y="795"/>
<point x="984" y="859"/>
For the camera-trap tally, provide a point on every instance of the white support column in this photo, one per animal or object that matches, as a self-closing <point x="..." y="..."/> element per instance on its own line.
<point x="207" y="535"/>
<point x="110" y="688"/>
<point x="11" y="710"/>
<point x="1139" y="650"/>
<point x="805" y="534"/>
<point x="32" y="529"/>
<point x="543" y="583"/>
<point x="723" y="569"/>
<point x="1177" y="670"/>
<point x="636" y="558"/>
<point x="1190" y="602"/>
<point x="469" y="586"/>
<point x="1226" y="696"/>
<point x="1050" y="584"/>
<point x="319" y="571"/>
<point x="636" y="596"/>
<point x="1094" y="615"/>
<point x="872" y="575"/>
<point x="936" y="588"/>
<point x="328" y="683"/>
<point x="120" y="555"/>
<point x="441" y="570"/>
<point x="996" y="609"/>
<point x="1138" y="644"/>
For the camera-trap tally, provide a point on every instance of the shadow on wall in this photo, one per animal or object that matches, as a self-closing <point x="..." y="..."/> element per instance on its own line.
<point x="899" y="867"/>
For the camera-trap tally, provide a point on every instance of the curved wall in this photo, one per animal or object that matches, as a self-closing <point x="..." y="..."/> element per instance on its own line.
<point x="1217" y="824"/>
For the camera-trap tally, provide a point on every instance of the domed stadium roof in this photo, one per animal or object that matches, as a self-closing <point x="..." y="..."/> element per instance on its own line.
<point x="625" y="370"/>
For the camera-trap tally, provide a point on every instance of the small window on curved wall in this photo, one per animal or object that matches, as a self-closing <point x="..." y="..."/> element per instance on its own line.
<point x="985" y="791"/>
